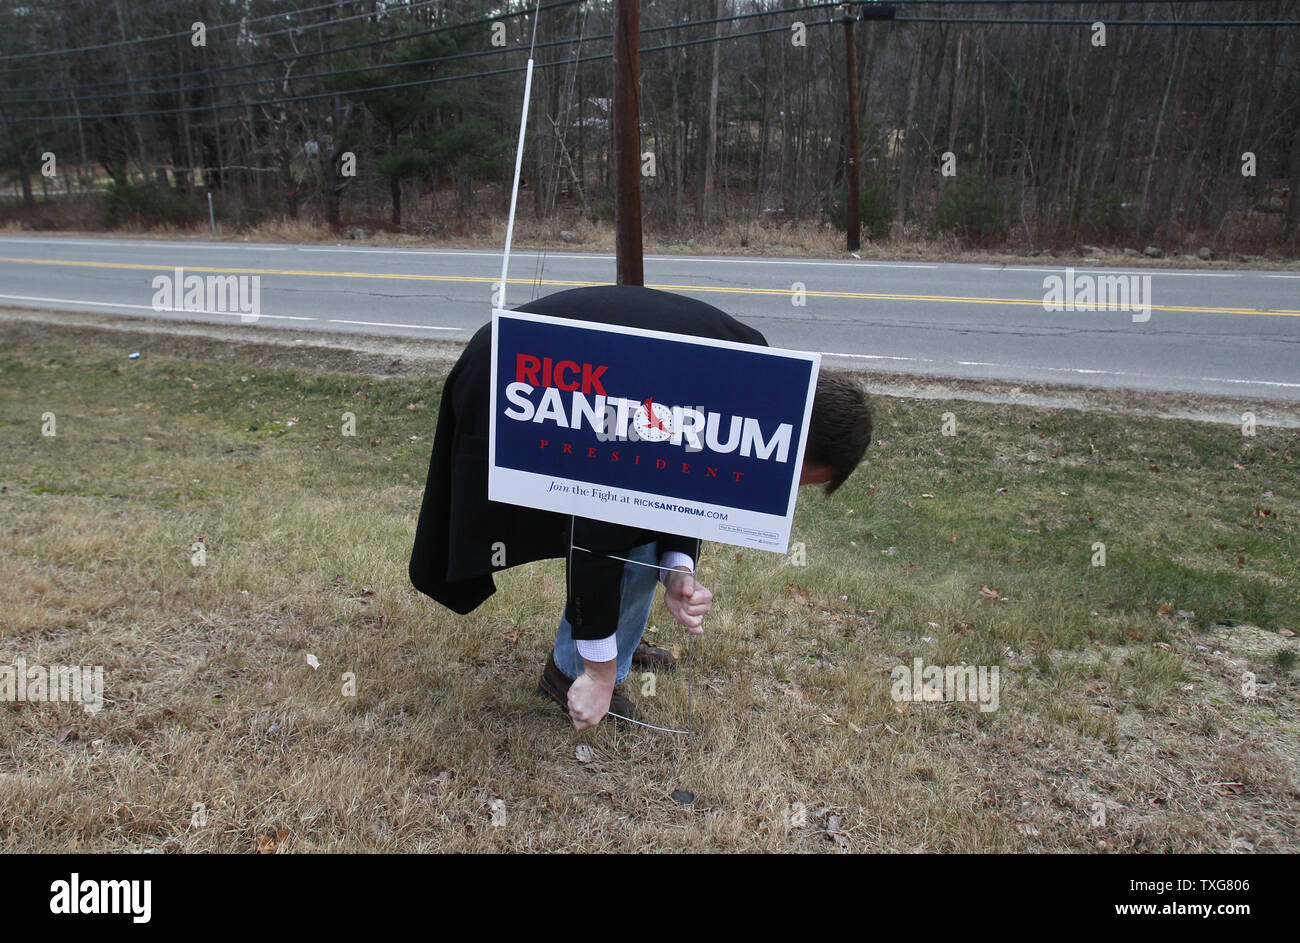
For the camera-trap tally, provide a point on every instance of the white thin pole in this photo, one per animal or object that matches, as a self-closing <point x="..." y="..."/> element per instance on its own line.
<point x="514" y="191"/>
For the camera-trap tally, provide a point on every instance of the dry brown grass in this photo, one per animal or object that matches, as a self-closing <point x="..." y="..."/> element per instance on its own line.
<point x="731" y="237"/>
<point x="211" y="699"/>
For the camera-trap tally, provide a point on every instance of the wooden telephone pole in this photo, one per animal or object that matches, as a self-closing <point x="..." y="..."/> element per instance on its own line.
<point x="627" y="142"/>
<point x="851" y="196"/>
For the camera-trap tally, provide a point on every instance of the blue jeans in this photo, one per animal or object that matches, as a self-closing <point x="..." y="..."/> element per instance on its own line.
<point x="639" y="584"/>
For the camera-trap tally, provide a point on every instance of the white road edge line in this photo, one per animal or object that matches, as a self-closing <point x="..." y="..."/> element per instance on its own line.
<point x="112" y="304"/>
<point x="419" y="327"/>
<point x="230" y="314"/>
<point x="55" y="240"/>
<point x="1083" y="370"/>
<point x="1108" y="271"/>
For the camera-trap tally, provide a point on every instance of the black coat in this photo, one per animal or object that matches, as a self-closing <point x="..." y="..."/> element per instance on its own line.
<point x="462" y="537"/>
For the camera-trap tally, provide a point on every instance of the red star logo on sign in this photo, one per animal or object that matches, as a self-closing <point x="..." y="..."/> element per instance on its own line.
<point x="654" y="421"/>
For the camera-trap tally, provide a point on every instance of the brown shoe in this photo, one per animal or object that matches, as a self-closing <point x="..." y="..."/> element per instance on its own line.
<point x="555" y="685"/>
<point x="647" y="656"/>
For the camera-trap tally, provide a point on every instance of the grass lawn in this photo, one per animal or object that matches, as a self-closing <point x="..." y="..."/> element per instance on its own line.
<point x="1122" y="721"/>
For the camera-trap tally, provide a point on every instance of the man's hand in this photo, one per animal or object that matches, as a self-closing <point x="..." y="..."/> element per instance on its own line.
<point x="687" y="600"/>
<point x="590" y="693"/>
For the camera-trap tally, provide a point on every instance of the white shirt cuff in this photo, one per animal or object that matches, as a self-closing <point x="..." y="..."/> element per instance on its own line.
<point x="672" y="559"/>
<point x="604" y="649"/>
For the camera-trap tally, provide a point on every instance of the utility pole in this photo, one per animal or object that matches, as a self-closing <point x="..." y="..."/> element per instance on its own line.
<point x="853" y="11"/>
<point x="851" y="199"/>
<point x="627" y="142"/>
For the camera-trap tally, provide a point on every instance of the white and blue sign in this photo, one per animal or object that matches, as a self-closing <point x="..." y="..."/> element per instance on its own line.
<point x="677" y="434"/>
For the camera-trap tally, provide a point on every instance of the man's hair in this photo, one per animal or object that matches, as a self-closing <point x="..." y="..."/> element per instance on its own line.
<point x="840" y="429"/>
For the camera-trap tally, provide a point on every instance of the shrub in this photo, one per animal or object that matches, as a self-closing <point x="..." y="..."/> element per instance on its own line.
<point x="602" y="209"/>
<point x="1108" y="218"/>
<point x="149" y="204"/>
<point x="875" y="211"/>
<point x="971" y="208"/>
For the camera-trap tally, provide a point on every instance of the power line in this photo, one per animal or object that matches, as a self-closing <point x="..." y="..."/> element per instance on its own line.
<point x="220" y="26"/>
<point x="69" y="94"/>
<point x="601" y="57"/>
<point x="1108" y="22"/>
<point x="397" y="11"/>
<point x="310" y="55"/>
<point x="378" y="67"/>
<point x="70" y="97"/>
<point x="433" y="81"/>
<point x="241" y="66"/>
<point x="1046" y="3"/>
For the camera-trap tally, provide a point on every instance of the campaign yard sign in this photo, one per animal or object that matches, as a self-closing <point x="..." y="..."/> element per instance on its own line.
<point x="682" y="435"/>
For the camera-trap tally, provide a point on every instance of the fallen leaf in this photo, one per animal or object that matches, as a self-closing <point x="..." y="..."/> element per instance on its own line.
<point x="66" y="733"/>
<point x="267" y="846"/>
<point x="793" y="691"/>
<point x="963" y="626"/>
<point x="511" y="635"/>
<point x="992" y="595"/>
<point x="829" y="720"/>
<point x="585" y="753"/>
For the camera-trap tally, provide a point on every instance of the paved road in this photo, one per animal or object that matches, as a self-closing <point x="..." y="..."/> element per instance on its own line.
<point x="1214" y="332"/>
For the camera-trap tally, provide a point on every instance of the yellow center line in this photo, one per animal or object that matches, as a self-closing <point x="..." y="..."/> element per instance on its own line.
<point x="571" y="283"/>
